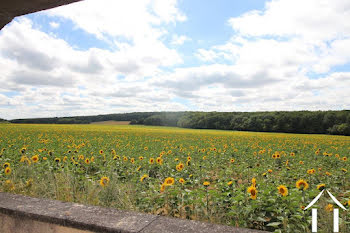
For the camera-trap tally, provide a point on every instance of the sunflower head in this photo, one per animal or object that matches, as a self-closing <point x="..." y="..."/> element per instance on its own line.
<point x="302" y="184"/>
<point x="8" y="171"/>
<point x="253" y="181"/>
<point x="182" y="181"/>
<point x="282" y="190"/>
<point x="329" y="208"/>
<point x="179" y="167"/>
<point x="206" y="183"/>
<point x="253" y="192"/>
<point x="35" y="158"/>
<point x="104" y="181"/>
<point x="169" y="181"/>
<point x="162" y="187"/>
<point x="321" y="187"/>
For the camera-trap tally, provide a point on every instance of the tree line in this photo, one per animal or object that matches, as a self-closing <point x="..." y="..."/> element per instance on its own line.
<point x="309" y="122"/>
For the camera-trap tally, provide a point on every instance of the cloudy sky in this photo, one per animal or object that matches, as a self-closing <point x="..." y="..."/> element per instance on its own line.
<point x="111" y="56"/>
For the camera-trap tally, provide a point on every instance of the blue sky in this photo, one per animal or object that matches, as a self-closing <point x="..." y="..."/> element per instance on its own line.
<point x="109" y="56"/>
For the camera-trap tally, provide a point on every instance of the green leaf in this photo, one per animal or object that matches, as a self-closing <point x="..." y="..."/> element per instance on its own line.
<point x="274" y="224"/>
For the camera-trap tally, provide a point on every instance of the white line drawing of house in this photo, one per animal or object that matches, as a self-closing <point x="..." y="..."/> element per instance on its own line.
<point x="335" y="212"/>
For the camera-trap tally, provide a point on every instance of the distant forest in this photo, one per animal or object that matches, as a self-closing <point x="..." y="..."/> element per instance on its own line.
<point x="309" y="122"/>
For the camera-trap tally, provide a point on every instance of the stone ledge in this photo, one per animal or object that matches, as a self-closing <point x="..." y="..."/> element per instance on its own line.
<point x="98" y="219"/>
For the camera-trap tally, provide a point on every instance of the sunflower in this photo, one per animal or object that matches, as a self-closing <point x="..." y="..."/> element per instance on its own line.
<point x="206" y="183"/>
<point x="282" y="190"/>
<point x="292" y="154"/>
<point x="151" y="160"/>
<point x="115" y="157"/>
<point x="301" y="162"/>
<point x="189" y="158"/>
<point x="230" y="183"/>
<point x="145" y="148"/>
<point x="35" y="158"/>
<point x="92" y="159"/>
<point x="204" y="157"/>
<point x="87" y="161"/>
<point x="344" y="170"/>
<point x="311" y="171"/>
<point x="141" y="158"/>
<point x="6" y="165"/>
<point x="104" y="181"/>
<point x="269" y="171"/>
<point x="132" y="160"/>
<point x="169" y="181"/>
<point x="125" y="158"/>
<point x="101" y="152"/>
<point x="81" y="157"/>
<point x="159" y="160"/>
<point x="232" y="160"/>
<point x="253" y="192"/>
<point x="302" y="184"/>
<point x="182" y="181"/>
<point x="180" y="166"/>
<point x="8" y="171"/>
<point x="143" y="177"/>
<point x="57" y="160"/>
<point x="344" y="159"/>
<point x="29" y="182"/>
<point x="253" y="182"/>
<point x="328" y="173"/>
<point x="321" y="187"/>
<point x="162" y="187"/>
<point x="329" y="208"/>
<point x="188" y="163"/>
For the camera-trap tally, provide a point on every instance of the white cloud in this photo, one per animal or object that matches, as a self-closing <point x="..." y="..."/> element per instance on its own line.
<point x="264" y="66"/>
<point x="312" y="20"/>
<point x="179" y="40"/>
<point x="54" y="25"/>
<point x="51" y="78"/>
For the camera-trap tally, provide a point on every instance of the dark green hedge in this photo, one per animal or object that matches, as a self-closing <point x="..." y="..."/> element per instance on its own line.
<point x="313" y="122"/>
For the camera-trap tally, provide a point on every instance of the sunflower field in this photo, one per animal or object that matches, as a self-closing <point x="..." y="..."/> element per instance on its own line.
<point x="244" y="179"/>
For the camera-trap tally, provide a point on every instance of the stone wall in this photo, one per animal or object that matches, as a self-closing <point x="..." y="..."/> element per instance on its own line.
<point x="21" y="214"/>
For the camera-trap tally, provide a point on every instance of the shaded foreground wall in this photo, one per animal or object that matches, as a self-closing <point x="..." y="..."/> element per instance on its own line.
<point x="21" y="214"/>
